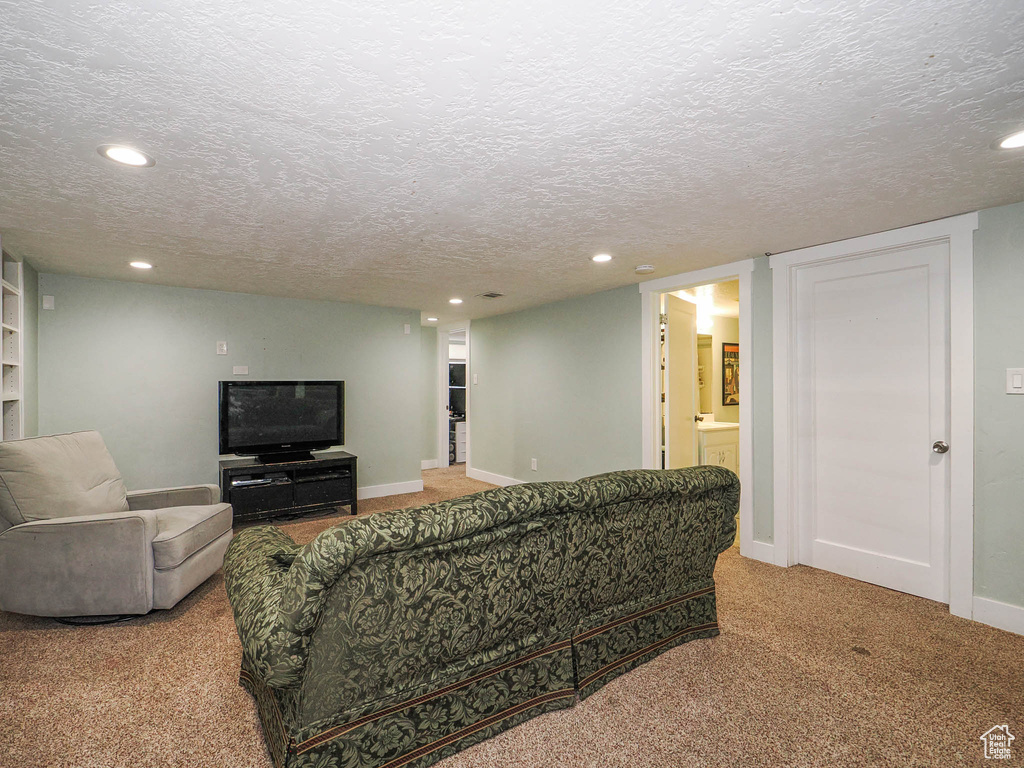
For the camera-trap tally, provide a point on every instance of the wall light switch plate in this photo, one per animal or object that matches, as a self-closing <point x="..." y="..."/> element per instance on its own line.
<point x="240" y="370"/>
<point x="47" y="302"/>
<point x="533" y="464"/>
<point x="408" y="329"/>
<point x="476" y="378"/>
<point x="222" y="347"/>
<point x="1015" y="381"/>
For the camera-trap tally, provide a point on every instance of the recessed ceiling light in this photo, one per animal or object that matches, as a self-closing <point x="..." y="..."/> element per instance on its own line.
<point x="431" y="319"/>
<point x="601" y="257"/>
<point x="126" y="155"/>
<point x="141" y="265"/>
<point x="454" y="301"/>
<point x="644" y="269"/>
<point x="1013" y="141"/>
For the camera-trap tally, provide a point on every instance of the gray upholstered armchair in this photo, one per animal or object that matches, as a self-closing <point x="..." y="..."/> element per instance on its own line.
<point x="74" y="542"/>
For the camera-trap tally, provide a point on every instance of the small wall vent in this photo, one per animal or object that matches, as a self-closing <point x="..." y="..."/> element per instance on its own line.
<point x="490" y="295"/>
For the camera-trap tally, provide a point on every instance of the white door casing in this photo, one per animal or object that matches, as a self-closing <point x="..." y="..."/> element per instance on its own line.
<point x="957" y="232"/>
<point x="443" y="425"/>
<point x="681" y="395"/>
<point x="872" y="372"/>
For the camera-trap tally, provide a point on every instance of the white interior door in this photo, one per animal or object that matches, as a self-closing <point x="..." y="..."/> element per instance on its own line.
<point x="681" y="395"/>
<point x="872" y="397"/>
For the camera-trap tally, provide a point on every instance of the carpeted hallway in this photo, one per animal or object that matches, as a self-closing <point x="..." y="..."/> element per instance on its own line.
<point x="811" y="669"/>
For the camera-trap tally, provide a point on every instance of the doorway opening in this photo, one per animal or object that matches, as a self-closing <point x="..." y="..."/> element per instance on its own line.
<point x="453" y="396"/>
<point x="700" y="396"/>
<point x="696" y="381"/>
<point x="700" y="374"/>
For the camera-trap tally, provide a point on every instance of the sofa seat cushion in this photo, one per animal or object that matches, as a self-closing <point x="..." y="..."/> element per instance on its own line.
<point x="183" y="531"/>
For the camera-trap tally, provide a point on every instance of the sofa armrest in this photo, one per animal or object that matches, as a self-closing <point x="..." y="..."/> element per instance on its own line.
<point x="87" y="565"/>
<point x="255" y="567"/>
<point x="186" y="496"/>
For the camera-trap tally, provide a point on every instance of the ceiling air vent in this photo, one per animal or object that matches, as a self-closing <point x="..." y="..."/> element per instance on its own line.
<point x="490" y="295"/>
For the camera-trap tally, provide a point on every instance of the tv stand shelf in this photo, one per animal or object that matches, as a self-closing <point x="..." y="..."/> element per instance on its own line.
<point x="263" y="490"/>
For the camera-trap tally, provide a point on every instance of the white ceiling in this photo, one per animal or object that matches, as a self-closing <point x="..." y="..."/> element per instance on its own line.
<point x="725" y="297"/>
<point x="402" y="153"/>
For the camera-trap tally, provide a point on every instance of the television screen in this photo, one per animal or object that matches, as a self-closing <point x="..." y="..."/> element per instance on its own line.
<point x="263" y="417"/>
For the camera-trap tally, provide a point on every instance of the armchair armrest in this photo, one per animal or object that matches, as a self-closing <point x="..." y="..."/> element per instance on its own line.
<point x="88" y="565"/>
<point x="186" y="496"/>
<point x="255" y="568"/>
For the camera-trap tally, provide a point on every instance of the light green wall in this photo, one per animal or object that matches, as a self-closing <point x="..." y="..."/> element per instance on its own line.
<point x="30" y="380"/>
<point x="428" y="393"/>
<point x="762" y="430"/>
<point x="138" y="362"/>
<point x="999" y="418"/>
<point x="559" y="383"/>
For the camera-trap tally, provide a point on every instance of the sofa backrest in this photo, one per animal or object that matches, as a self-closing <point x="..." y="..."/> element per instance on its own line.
<point x="42" y="478"/>
<point x="385" y="602"/>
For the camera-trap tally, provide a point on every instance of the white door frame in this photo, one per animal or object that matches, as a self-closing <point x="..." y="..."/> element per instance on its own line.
<point x="958" y="231"/>
<point x="442" y="390"/>
<point x="650" y="362"/>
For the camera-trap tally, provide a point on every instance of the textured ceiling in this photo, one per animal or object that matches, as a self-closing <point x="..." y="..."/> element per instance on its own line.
<point x="402" y="153"/>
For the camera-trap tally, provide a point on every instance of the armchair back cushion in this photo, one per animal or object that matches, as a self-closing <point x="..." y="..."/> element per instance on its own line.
<point x="58" y="476"/>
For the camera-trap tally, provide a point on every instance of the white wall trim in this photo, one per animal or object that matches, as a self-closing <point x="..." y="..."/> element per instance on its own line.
<point x="958" y="231"/>
<point x="442" y="395"/>
<point x="747" y="417"/>
<point x="782" y="421"/>
<point x="442" y="389"/>
<point x="650" y="306"/>
<point x="428" y="464"/>
<point x="941" y="229"/>
<point x="961" y="414"/>
<point x="756" y="550"/>
<point x="651" y="291"/>
<point x="388" y="489"/>
<point x="698" y="277"/>
<point x="490" y="477"/>
<point x="999" y="615"/>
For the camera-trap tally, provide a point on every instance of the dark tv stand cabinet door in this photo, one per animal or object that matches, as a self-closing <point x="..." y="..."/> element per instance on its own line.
<point x="259" y="491"/>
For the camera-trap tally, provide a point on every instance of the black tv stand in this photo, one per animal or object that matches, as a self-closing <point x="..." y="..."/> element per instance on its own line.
<point x="283" y="458"/>
<point x="261" y="490"/>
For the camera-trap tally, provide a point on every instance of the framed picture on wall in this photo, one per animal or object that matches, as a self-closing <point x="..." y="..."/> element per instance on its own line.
<point x="730" y="374"/>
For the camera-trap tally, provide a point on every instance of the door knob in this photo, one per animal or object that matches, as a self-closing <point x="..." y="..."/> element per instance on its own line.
<point x="940" y="446"/>
<point x="698" y="417"/>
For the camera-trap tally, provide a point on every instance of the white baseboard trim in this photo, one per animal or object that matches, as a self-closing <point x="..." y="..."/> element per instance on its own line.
<point x="490" y="477"/>
<point x="758" y="550"/>
<point x="428" y="464"/>
<point x="999" y="615"/>
<point x="389" y="489"/>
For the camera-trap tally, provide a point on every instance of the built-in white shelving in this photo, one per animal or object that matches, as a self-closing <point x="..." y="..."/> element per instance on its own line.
<point x="12" y="347"/>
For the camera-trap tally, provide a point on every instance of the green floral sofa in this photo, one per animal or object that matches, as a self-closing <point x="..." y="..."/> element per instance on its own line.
<point x="399" y="638"/>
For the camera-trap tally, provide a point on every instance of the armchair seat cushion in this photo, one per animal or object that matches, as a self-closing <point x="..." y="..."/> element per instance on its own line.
<point x="183" y="531"/>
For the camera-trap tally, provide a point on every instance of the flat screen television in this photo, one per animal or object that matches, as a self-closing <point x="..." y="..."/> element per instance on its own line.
<point x="281" y="420"/>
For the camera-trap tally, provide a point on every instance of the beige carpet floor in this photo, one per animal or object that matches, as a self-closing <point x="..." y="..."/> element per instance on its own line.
<point x="811" y="669"/>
